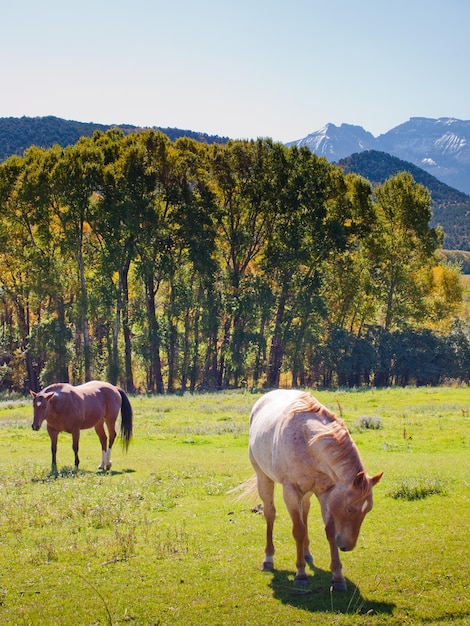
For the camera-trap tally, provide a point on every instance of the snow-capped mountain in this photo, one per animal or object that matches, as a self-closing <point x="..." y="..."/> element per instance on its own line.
<point x="439" y="146"/>
<point x="335" y="142"/>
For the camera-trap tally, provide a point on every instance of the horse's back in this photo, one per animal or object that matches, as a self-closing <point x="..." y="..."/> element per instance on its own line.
<point x="95" y="387"/>
<point x="269" y="421"/>
<point x="268" y="409"/>
<point x="273" y="403"/>
<point x="85" y="405"/>
<point x="100" y="399"/>
<point x="283" y="426"/>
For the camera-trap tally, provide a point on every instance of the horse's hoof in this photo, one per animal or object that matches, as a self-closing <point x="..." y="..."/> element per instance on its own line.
<point x="309" y="559"/>
<point x="267" y="566"/>
<point x="300" y="581"/>
<point x="339" y="585"/>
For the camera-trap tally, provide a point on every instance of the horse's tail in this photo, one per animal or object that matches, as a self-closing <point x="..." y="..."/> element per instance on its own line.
<point x="126" y="419"/>
<point x="248" y="490"/>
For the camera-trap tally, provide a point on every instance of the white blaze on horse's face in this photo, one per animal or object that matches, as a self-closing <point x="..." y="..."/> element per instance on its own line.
<point x="348" y="510"/>
<point x="40" y="406"/>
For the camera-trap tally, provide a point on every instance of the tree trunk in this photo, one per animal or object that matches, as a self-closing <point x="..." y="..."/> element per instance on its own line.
<point x="172" y="340"/>
<point x="84" y="317"/>
<point x="155" y="370"/>
<point x="24" y="331"/>
<point x="277" y="342"/>
<point x="114" y="356"/>
<point x="193" y="368"/>
<point x="124" y="281"/>
<point x="62" y="365"/>
<point x="211" y="378"/>
<point x="260" y="354"/>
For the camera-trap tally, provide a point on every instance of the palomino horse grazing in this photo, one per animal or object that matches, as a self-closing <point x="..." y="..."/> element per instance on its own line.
<point x="297" y="442"/>
<point x="71" y="409"/>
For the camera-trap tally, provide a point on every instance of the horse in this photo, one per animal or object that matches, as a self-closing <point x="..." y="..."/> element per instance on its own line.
<point x="71" y="409"/>
<point x="297" y="442"/>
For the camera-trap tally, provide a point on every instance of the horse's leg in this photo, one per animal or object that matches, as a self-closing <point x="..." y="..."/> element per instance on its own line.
<point x="105" y="460"/>
<point x="111" y="424"/>
<point x="299" y="531"/>
<point x="266" y="493"/>
<point x="338" y="581"/>
<point x="305" y="511"/>
<point x="75" y="440"/>
<point x="53" y="434"/>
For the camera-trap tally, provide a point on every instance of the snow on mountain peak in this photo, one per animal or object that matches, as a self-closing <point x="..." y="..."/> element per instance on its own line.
<point x="440" y="146"/>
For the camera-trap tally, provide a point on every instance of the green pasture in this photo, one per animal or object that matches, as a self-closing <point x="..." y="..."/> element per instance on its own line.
<point x="159" y="540"/>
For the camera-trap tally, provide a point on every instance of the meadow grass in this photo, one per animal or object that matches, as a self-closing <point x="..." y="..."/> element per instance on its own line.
<point x="159" y="540"/>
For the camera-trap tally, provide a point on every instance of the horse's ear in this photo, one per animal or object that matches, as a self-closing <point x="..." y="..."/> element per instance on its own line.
<point x="32" y="393"/>
<point x="375" y="479"/>
<point x="359" y="480"/>
<point x="49" y="395"/>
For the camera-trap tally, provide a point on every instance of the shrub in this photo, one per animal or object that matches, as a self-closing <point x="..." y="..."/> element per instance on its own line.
<point x="367" y="422"/>
<point x="418" y="488"/>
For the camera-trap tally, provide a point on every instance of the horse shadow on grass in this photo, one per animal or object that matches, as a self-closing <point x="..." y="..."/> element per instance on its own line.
<point x="69" y="472"/>
<point x="317" y="595"/>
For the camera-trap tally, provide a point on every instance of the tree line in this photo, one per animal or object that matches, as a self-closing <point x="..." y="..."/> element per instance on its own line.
<point x="168" y="266"/>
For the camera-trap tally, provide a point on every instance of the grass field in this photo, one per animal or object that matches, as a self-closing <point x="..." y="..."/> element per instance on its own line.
<point x="158" y="540"/>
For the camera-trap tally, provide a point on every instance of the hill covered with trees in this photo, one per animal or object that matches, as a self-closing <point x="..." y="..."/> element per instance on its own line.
<point x="19" y="133"/>
<point x="179" y="265"/>
<point x="451" y="208"/>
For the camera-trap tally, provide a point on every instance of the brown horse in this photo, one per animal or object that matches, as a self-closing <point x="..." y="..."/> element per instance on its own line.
<point x="71" y="409"/>
<point x="297" y="442"/>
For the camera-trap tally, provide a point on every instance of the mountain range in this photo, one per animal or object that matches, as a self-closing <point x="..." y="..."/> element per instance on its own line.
<point x="440" y="146"/>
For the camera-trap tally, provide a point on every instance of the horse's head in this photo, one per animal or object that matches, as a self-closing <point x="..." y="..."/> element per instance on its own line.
<point x="41" y="405"/>
<point x="346" y="509"/>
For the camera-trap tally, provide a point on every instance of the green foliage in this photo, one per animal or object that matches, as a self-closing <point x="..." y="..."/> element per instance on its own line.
<point x="450" y="207"/>
<point x="165" y="266"/>
<point x="460" y="257"/>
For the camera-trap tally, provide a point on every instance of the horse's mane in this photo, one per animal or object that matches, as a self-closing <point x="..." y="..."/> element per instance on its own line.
<point x="306" y="403"/>
<point x="333" y="440"/>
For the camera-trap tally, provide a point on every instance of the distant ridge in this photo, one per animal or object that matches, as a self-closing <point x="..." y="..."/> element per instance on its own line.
<point x="19" y="133"/>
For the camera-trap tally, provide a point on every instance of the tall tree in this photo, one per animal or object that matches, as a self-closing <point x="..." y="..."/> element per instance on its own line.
<point x="249" y="178"/>
<point x="317" y="218"/>
<point x="146" y="168"/>
<point x="113" y="223"/>
<point x="74" y="180"/>
<point x="402" y="241"/>
<point x="193" y="268"/>
<point x="347" y="286"/>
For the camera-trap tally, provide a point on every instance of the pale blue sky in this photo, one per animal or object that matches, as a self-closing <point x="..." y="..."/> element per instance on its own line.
<point x="240" y="68"/>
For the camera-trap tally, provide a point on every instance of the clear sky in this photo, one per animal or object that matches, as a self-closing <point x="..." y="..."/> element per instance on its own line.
<point x="243" y="69"/>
